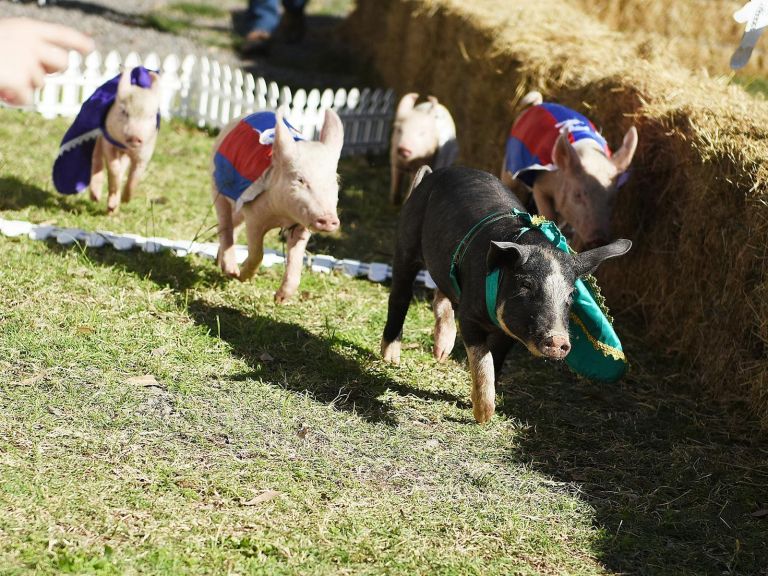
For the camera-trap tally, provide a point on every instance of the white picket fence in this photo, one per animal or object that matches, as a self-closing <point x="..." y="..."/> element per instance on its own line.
<point x="323" y="263"/>
<point x="210" y="94"/>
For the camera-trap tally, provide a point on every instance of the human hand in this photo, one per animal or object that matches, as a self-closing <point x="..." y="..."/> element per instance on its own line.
<point x="29" y="50"/>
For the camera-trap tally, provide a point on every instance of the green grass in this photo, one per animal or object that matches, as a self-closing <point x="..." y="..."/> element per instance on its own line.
<point x="377" y="469"/>
<point x="755" y="85"/>
<point x="337" y="8"/>
<point x="166" y="23"/>
<point x="195" y="9"/>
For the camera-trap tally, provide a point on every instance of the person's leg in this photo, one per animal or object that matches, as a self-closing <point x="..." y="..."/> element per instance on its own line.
<point x="294" y="20"/>
<point x="263" y="15"/>
<point x="294" y="5"/>
<point x="262" y="20"/>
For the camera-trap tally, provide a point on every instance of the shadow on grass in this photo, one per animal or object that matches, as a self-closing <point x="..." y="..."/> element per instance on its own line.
<point x="16" y="194"/>
<point x="677" y="488"/>
<point x="321" y="60"/>
<point x="281" y="353"/>
<point x="292" y="358"/>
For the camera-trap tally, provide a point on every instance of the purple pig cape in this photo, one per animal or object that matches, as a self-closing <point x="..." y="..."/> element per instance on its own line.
<point x="72" y="168"/>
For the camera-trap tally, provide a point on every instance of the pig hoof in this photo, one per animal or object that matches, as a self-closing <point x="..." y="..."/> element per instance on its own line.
<point x="281" y="297"/>
<point x="390" y="351"/>
<point x="441" y="354"/>
<point x="286" y="291"/>
<point x="246" y="273"/>
<point x="444" y="341"/>
<point x="483" y="411"/>
<point x="231" y="271"/>
<point x="94" y="196"/>
<point x="112" y="211"/>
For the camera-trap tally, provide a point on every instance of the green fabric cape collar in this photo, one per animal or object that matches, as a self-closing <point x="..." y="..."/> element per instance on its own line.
<point x="596" y="350"/>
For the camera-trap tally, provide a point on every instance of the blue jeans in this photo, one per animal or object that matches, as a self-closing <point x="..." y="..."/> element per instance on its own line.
<point x="265" y="14"/>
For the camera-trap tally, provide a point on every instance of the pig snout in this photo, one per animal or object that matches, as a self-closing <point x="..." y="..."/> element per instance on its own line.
<point x="404" y="152"/>
<point x="555" y="346"/>
<point x="134" y="141"/>
<point x="326" y="223"/>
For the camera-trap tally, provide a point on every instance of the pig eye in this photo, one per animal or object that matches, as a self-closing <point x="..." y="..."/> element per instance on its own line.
<point x="527" y="284"/>
<point x="301" y="181"/>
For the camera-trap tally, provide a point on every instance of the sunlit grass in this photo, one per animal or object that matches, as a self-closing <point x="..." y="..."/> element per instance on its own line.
<point x="157" y="418"/>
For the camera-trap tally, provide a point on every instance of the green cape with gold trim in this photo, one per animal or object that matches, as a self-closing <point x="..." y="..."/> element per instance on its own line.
<point x="596" y="351"/>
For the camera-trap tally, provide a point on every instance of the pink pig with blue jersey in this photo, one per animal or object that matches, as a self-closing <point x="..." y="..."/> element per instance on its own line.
<point x="267" y="175"/>
<point x="560" y="156"/>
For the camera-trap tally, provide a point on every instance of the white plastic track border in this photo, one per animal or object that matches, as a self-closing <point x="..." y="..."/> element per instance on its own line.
<point x="373" y="271"/>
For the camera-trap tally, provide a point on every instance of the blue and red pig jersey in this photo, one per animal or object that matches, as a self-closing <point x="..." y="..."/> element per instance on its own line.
<point x="533" y="136"/>
<point x="245" y="156"/>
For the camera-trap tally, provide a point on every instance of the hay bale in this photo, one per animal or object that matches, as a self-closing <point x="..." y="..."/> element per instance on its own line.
<point x="699" y="33"/>
<point x="696" y="204"/>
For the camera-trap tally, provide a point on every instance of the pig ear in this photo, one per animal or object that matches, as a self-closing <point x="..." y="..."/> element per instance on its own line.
<point x="155" y="81"/>
<point x="284" y="147"/>
<point x="587" y="262"/>
<point x="406" y="103"/>
<point x="564" y="154"/>
<point x="507" y="253"/>
<point x="623" y="156"/>
<point x="332" y="133"/>
<point x="125" y="82"/>
<point x="433" y="101"/>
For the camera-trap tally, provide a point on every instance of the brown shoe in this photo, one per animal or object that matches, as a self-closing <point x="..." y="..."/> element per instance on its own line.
<point x="256" y="43"/>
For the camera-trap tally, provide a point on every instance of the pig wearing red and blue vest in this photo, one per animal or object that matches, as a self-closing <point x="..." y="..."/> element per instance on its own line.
<point x="266" y="174"/>
<point x="574" y="176"/>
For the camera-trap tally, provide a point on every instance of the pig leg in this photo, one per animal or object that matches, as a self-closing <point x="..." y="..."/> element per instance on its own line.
<point x="135" y="173"/>
<point x="226" y="257"/>
<point x="445" y="326"/>
<point x="116" y="164"/>
<point x="401" y="183"/>
<point x="137" y="169"/>
<point x="405" y="266"/>
<point x="254" y="230"/>
<point x="394" y="187"/>
<point x="97" y="171"/>
<point x="296" y="244"/>
<point x="481" y="369"/>
<point x="499" y="344"/>
<point x="237" y="219"/>
<point x="404" y="271"/>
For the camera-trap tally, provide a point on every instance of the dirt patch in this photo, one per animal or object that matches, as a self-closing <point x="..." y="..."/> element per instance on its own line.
<point x="695" y="205"/>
